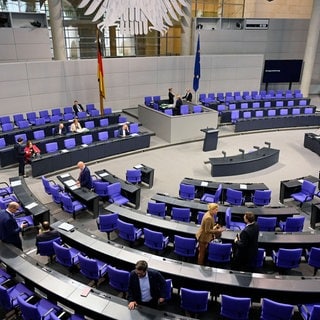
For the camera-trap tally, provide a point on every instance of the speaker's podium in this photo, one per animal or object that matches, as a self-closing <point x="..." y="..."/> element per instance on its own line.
<point x="210" y="139"/>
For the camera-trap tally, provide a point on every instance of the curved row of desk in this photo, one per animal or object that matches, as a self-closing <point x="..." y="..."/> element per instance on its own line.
<point x="288" y="289"/>
<point x="267" y="240"/>
<point x="7" y="155"/>
<point x="66" y="291"/>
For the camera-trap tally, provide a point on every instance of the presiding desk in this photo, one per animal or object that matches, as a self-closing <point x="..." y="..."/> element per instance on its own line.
<point x="29" y="202"/>
<point x="288" y="187"/>
<point x="244" y="163"/>
<point x="84" y="195"/>
<point x="267" y="240"/>
<point x="205" y="186"/>
<point x="63" y="159"/>
<point x="128" y="190"/>
<point x="62" y="289"/>
<point x="195" y="206"/>
<point x="290" y="289"/>
<point x="312" y="142"/>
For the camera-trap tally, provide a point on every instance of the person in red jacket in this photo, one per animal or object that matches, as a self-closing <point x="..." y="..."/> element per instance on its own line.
<point x="30" y="151"/>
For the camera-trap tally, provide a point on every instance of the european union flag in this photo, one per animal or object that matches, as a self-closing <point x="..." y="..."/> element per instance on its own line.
<point x="196" y="75"/>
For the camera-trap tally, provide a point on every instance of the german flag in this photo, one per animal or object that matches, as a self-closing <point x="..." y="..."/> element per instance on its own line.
<point x="100" y="68"/>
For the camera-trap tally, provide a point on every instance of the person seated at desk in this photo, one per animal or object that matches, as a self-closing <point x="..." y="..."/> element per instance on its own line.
<point x="124" y="131"/>
<point x="176" y="109"/>
<point x="77" y="107"/>
<point x="76" y="126"/>
<point x="84" y="179"/>
<point x="60" y="129"/>
<point x="188" y="95"/>
<point x="30" y="151"/>
<point x="46" y="233"/>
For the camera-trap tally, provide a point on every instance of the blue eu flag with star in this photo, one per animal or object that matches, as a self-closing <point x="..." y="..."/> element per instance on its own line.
<point x="196" y="75"/>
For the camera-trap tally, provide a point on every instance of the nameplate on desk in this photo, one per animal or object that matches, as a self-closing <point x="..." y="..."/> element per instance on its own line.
<point x="15" y="183"/>
<point x="204" y="183"/>
<point x="70" y="183"/>
<point x="31" y="205"/>
<point x="134" y="134"/>
<point x="138" y="166"/>
<point x="65" y="175"/>
<point x="64" y="150"/>
<point x="66" y="226"/>
<point x="104" y="174"/>
<point x="84" y="145"/>
<point x="243" y="186"/>
<point x="300" y="180"/>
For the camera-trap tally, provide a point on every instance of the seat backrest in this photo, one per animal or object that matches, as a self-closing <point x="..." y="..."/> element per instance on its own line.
<point x="114" y="189"/>
<point x="38" y="134"/>
<point x="157" y="208"/>
<point x="45" y="248"/>
<point x="197" y="109"/>
<point x="181" y="214"/>
<point x="283" y="112"/>
<point x="267" y="104"/>
<point x="28" y="310"/>
<point x="100" y="187"/>
<point x="153" y="238"/>
<point x="184" y="109"/>
<point x="194" y="300"/>
<point x="69" y="143"/>
<point x="67" y="110"/>
<point x="56" y="112"/>
<point x="88" y="267"/>
<point x="107" y="110"/>
<point x="89" y="124"/>
<point x="87" y="139"/>
<point x="288" y="258"/>
<point x="271" y="113"/>
<point x="187" y="191"/>
<point x="267" y="223"/>
<point x="82" y="114"/>
<point x="108" y="222"/>
<point x="275" y="310"/>
<point x="55" y="118"/>
<point x="219" y="252"/>
<point x="234" y="196"/>
<point x="168" y="112"/>
<point x="126" y="230"/>
<point x="104" y="122"/>
<point x="262" y="197"/>
<point x="118" y="279"/>
<point x="46" y="184"/>
<point x="133" y="175"/>
<point x="31" y="116"/>
<point x="103" y="135"/>
<point x="51" y="147"/>
<point x="185" y="246"/>
<point x="308" y="188"/>
<point x="68" y="116"/>
<point x="44" y="114"/>
<point x="235" y="307"/>
<point x="89" y="107"/>
<point x="2" y="142"/>
<point x="55" y="193"/>
<point x="5" y="119"/>
<point x="7" y="126"/>
<point x="315" y="313"/>
<point x="314" y="257"/>
<point x="134" y="128"/>
<point x="18" y="117"/>
<point x="217" y="195"/>
<point x="63" y="255"/>
<point x="94" y="113"/>
<point x="294" y="224"/>
<point x="66" y="202"/>
<point x="40" y="121"/>
<point x="21" y="135"/>
<point x="279" y="103"/>
<point x="259" y="113"/>
<point x="308" y="110"/>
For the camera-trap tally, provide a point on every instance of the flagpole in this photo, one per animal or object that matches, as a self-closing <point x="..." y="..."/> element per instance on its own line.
<point x="197" y="69"/>
<point x="100" y="74"/>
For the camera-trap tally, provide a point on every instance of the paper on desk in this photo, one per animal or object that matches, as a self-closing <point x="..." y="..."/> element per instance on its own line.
<point x="103" y="174"/>
<point x="65" y="175"/>
<point x="84" y="145"/>
<point x="70" y="182"/>
<point x="15" y="183"/>
<point x="138" y="166"/>
<point x="204" y="183"/>
<point x="31" y="205"/>
<point x="64" y="150"/>
<point x="74" y="187"/>
<point x="243" y="186"/>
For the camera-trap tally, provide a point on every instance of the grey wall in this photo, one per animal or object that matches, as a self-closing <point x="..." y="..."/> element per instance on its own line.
<point x="32" y="86"/>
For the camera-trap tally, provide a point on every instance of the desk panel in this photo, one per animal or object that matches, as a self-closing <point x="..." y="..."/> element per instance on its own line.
<point x="28" y="200"/>
<point x="51" y="162"/>
<point x="312" y="142"/>
<point x="289" y="289"/>
<point x="244" y="163"/>
<point x="57" y="287"/>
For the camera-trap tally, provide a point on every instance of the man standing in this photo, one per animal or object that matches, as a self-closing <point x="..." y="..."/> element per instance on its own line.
<point x="77" y="107"/>
<point x="246" y="245"/>
<point x="9" y="229"/>
<point x="146" y="287"/>
<point x="209" y="230"/>
<point x="85" y="179"/>
<point x="188" y="95"/>
<point x="19" y="152"/>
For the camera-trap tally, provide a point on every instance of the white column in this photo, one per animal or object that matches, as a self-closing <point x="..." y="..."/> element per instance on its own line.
<point x="56" y="23"/>
<point x="311" y="48"/>
<point x="186" y="34"/>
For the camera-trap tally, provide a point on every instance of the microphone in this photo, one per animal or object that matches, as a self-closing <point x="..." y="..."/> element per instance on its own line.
<point x="256" y="147"/>
<point x="268" y="144"/>
<point x="224" y="153"/>
<point x="242" y="151"/>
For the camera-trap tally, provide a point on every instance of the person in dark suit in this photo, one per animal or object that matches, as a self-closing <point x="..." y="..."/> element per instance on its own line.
<point x="124" y="131"/>
<point x="9" y="229"/>
<point x="146" y="287"/>
<point x="20" y="155"/>
<point x="176" y="110"/>
<point x="246" y="245"/>
<point x="188" y="95"/>
<point x="60" y="129"/>
<point x="77" y="107"/>
<point x="170" y="96"/>
<point x="85" y="179"/>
